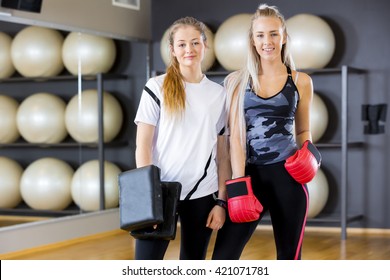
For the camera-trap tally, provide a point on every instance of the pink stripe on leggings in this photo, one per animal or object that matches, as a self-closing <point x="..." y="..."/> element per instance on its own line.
<point x="304" y="224"/>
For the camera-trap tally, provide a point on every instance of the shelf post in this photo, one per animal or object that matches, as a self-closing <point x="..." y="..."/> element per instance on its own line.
<point x="148" y="60"/>
<point x="344" y="149"/>
<point x="99" y="79"/>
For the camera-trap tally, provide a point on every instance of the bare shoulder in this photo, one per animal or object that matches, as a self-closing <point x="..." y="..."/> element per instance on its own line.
<point x="304" y="82"/>
<point x="303" y="79"/>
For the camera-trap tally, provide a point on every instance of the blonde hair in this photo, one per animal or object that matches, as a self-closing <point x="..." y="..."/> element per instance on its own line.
<point x="237" y="82"/>
<point x="173" y="87"/>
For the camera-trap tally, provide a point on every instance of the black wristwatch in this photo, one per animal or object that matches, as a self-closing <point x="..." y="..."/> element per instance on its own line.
<point x="221" y="203"/>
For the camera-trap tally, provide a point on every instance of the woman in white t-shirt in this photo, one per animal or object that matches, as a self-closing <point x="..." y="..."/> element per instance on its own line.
<point x="180" y="128"/>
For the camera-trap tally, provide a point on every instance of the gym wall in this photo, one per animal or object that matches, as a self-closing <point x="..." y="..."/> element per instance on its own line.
<point x="92" y="16"/>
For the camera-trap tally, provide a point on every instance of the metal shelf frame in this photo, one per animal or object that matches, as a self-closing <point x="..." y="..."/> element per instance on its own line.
<point x="345" y="71"/>
<point x="99" y="145"/>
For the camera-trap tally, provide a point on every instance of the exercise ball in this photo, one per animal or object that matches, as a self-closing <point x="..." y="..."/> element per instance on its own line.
<point x="231" y="41"/>
<point x="318" y="189"/>
<point x="6" y="66"/>
<point x="36" y="52"/>
<point x="45" y="184"/>
<point x="85" y="187"/>
<point x="312" y="41"/>
<point x="87" y="54"/>
<point x="81" y="116"/>
<point x="8" y="129"/>
<point x="209" y="58"/>
<point x="319" y="117"/>
<point x="10" y="174"/>
<point x="40" y="118"/>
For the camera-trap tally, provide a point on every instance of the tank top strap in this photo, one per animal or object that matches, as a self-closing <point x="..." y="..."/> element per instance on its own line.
<point x="289" y="71"/>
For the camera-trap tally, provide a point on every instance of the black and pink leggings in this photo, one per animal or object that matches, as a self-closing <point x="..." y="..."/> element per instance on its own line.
<point x="287" y="203"/>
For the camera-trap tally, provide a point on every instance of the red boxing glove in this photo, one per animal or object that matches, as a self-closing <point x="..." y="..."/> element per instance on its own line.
<point x="303" y="165"/>
<point x="243" y="206"/>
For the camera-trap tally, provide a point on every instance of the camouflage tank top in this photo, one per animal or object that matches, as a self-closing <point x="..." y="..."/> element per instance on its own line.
<point x="270" y="124"/>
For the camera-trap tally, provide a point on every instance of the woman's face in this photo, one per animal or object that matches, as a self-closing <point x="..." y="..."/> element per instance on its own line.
<point x="188" y="46"/>
<point x="268" y="37"/>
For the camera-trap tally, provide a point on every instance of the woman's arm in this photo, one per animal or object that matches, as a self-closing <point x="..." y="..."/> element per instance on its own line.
<point x="144" y="140"/>
<point x="223" y="164"/>
<point x="237" y="152"/>
<point x="217" y="215"/>
<point x="302" y="116"/>
<point x="143" y="150"/>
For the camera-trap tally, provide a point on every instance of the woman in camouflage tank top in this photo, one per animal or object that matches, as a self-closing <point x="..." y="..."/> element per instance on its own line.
<point x="268" y="99"/>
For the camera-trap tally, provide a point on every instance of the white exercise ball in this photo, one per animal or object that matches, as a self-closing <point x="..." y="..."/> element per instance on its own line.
<point x="88" y="54"/>
<point x="319" y="118"/>
<point x="81" y="116"/>
<point x="86" y="186"/>
<point x="6" y="66"/>
<point x="231" y="41"/>
<point x="312" y="41"/>
<point x="209" y="58"/>
<point x="40" y="118"/>
<point x="8" y="128"/>
<point x="10" y="174"/>
<point x="36" y="52"/>
<point x="45" y="184"/>
<point x="318" y="189"/>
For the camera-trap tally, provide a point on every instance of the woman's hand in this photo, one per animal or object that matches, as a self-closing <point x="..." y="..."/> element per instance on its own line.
<point x="216" y="218"/>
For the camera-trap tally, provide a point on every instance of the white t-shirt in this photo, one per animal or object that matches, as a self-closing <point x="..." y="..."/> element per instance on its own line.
<point x="185" y="148"/>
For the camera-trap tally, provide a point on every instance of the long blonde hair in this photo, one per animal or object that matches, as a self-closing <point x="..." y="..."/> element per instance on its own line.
<point x="237" y="82"/>
<point x="173" y="86"/>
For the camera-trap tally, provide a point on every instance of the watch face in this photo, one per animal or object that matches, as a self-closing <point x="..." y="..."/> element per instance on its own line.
<point x="221" y="203"/>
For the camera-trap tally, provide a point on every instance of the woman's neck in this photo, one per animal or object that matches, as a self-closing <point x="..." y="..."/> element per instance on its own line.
<point x="272" y="68"/>
<point x="191" y="75"/>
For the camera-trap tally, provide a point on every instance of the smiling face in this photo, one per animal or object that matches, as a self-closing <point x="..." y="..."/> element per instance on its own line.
<point x="268" y="37"/>
<point x="188" y="46"/>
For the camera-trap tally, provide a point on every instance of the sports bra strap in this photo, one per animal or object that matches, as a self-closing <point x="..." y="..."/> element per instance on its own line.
<point x="296" y="76"/>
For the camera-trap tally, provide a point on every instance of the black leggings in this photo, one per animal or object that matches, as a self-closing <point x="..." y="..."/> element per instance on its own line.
<point x="194" y="235"/>
<point x="287" y="202"/>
